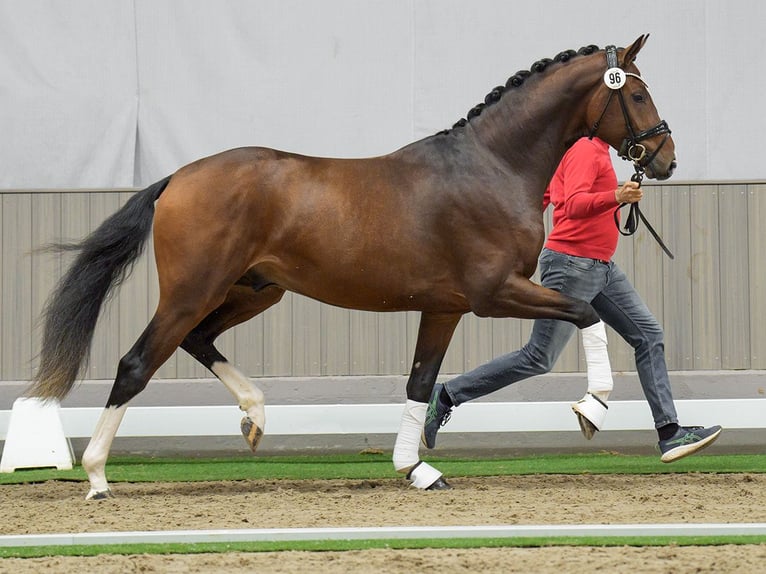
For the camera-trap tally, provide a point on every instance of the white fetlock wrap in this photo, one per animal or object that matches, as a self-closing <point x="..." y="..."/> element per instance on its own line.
<point x="408" y="439"/>
<point x="592" y="409"/>
<point x="423" y="475"/>
<point x="599" y="368"/>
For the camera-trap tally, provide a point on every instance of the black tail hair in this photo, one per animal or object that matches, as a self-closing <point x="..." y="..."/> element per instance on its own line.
<point x="105" y="259"/>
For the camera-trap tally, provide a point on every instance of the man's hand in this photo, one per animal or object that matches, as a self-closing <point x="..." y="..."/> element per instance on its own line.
<point x="629" y="192"/>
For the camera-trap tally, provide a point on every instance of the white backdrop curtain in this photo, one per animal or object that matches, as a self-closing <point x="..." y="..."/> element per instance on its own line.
<point x="119" y="93"/>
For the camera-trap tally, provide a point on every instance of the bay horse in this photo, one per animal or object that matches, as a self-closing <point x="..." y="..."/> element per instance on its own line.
<point x="447" y="225"/>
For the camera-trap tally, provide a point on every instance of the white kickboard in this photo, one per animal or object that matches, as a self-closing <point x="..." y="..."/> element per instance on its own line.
<point x="36" y="437"/>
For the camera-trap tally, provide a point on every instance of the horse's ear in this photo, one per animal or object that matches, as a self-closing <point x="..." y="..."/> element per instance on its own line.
<point x="632" y="51"/>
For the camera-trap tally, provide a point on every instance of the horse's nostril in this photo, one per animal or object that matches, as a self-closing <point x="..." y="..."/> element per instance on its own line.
<point x="673" y="166"/>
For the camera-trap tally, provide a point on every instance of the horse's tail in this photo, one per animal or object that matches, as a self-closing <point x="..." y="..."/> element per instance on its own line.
<point x="105" y="259"/>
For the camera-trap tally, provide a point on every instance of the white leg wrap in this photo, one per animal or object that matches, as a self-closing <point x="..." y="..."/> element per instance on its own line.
<point x="406" y="458"/>
<point x="591" y="409"/>
<point x="597" y="359"/>
<point x="408" y="439"/>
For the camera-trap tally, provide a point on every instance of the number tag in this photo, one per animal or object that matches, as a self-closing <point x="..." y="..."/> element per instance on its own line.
<point x="614" y="78"/>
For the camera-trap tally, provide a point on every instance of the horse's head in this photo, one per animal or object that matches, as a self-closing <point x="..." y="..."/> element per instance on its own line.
<point x="623" y="114"/>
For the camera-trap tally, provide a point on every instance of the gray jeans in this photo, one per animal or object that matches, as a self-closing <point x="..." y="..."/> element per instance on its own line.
<point x="606" y="287"/>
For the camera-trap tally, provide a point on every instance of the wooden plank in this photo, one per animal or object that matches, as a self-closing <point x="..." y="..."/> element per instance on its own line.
<point x="2" y="286"/>
<point x="15" y="295"/>
<point x="277" y="338"/>
<point x="757" y="241"/>
<point x="677" y="297"/>
<point x="306" y="328"/>
<point x="734" y="276"/>
<point x="477" y="341"/>
<point x="393" y="355"/>
<point x="704" y="280"/>
<point x="336" y="340"/>
<point x="46" y="267"/>
<point x="364" y="343"/>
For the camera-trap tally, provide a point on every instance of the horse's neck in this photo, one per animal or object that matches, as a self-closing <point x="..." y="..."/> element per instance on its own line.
<point x="532" y="126"/>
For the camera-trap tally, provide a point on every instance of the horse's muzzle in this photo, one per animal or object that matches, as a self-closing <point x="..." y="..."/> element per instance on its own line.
<point x="671" y="168"/>
<point x="661" y="175"/>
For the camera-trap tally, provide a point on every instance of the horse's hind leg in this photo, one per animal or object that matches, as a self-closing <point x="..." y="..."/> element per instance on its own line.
<point x="158" y="341"/>
<point x="434" y="335"/>
<point x="242" y="303"/>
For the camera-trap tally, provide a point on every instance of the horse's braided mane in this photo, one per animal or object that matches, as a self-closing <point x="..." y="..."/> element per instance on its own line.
<point x="517" y="80"/>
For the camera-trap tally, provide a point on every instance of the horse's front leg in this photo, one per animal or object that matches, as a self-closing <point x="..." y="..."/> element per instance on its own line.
<point x="434" y="335"/>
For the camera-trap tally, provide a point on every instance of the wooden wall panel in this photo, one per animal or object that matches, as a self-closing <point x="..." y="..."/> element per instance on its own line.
<point x="649" y="263"/>
<point x="277" y="338"/>
<point x="15" y="293"/>
<point x="711" y="299"/>
<point x="704" y="278"/>
<point x="676" y="286"/>
<point x="46" y="267"/>
<point x="756" y="290"/>
<point x="734" y="276"/>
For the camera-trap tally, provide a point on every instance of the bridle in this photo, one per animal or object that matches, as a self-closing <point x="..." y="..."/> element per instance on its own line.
<point x="631" y="148"/>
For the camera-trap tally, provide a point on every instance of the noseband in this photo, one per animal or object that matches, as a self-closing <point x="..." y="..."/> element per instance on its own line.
<point x="631" y="149"/>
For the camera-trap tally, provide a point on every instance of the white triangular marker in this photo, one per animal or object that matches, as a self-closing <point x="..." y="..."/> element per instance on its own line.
<point x="35" y="437"/>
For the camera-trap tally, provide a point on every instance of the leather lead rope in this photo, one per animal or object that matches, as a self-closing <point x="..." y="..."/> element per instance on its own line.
<point x="635" y="214"/>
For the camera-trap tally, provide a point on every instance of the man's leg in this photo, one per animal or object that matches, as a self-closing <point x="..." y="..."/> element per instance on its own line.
<point x="620" y="306"/>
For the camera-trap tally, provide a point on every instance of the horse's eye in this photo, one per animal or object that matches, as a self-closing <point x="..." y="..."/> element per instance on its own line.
<point x="638" y="98"/>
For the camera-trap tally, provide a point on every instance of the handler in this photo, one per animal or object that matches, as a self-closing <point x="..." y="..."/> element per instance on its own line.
<point x="577" y="260"/>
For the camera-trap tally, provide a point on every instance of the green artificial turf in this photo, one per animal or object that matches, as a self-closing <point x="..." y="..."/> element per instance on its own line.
<point x="343" y="545"/>
<point x="379" y="466"/>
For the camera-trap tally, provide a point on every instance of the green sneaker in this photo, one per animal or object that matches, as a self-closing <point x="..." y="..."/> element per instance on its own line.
<point x="437" y="415"/>
<point x="686" y="441"/>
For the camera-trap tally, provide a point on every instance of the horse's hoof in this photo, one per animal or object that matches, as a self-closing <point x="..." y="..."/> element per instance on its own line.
<point x="591" y="412"/>
<point x="586" y="427"/>
<point x="99" y="494"/>
<point x="252" y="433"/>
<point x="439" y="484"/>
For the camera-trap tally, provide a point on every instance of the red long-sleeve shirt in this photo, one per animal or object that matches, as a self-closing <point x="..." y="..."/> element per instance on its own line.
<point x="582" y="194"/>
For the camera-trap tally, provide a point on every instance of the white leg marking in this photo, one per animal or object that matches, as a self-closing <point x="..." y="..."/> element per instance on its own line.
<point x="249" y="397"/>
<point x="95" y="455"/>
